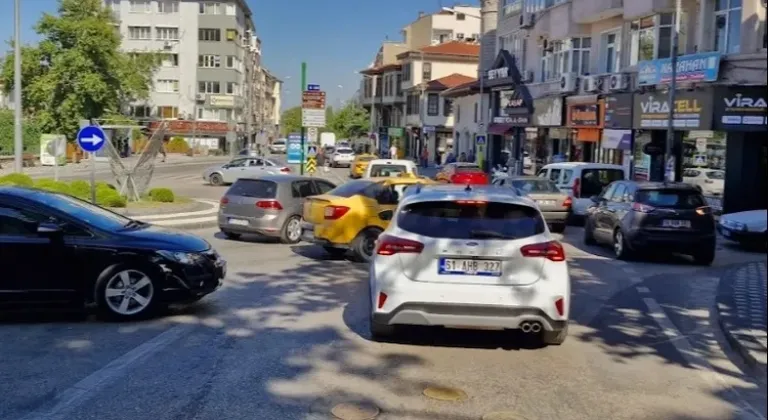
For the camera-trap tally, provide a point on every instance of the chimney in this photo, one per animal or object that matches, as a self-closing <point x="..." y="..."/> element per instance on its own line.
<point x="421" y="14"/>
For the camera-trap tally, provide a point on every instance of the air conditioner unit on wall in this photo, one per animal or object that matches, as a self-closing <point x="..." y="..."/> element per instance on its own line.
<point x="569" y="82"/>
<point x="618" y="82"/>
<point x="591" y="84"/>
<point x="199" y="97"/>
<point x="527" y="20"/>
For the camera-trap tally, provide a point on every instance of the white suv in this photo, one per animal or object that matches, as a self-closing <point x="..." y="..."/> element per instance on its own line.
<point x="472" y="257"/>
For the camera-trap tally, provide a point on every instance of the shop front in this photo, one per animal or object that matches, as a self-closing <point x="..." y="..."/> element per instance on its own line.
<point x="548" y="118"/>
<point x="741" y="113"/>
<point x="699" y="151"/>
<point x="617" y="136"/>
<point x="585" y="121"/>
<point x="511" y="111"/>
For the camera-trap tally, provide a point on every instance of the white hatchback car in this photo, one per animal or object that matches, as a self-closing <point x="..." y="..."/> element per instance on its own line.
<point x="469" y="257"/>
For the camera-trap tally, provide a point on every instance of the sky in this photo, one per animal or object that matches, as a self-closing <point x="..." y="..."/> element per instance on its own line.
<point x="336" y="38"/>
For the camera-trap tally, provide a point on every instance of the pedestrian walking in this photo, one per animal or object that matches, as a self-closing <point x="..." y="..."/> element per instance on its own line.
<point x="393" y="152"/>
<point x="163" y="151"/>
<point x="425" y="157"/>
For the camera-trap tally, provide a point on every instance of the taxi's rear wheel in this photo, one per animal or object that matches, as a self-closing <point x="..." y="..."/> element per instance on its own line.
<point x="365" y="243"/>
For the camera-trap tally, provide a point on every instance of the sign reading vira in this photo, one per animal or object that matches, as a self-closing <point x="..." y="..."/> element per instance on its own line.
<point x="739" y="101"/>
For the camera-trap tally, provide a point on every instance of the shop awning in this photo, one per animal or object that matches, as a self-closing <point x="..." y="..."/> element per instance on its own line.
<point x="499" y="128"/>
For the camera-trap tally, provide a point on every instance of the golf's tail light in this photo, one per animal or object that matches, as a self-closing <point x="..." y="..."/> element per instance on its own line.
<point x="381" y="300"/>
<point x="560" y="306"/>
<point x="285" y="170"/>
<point x="551" y="250"/>
<point x="391" y="245"/>
<point x="704" y="210"/>
<point x="642" y="208"/>
<point x="269" y="205"/>
<point x="568" y="202"/>
<point x="223" y="201"/>
<point x="335" y="212"/>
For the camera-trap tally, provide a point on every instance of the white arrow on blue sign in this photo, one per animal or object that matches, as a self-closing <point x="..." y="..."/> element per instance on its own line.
<point x="480" y="139"/>
<point x="313" y="87"/>
<point x="91" y="138"/>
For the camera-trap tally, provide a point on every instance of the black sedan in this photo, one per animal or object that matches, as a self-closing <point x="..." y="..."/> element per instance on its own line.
<point x="56" y="249"/>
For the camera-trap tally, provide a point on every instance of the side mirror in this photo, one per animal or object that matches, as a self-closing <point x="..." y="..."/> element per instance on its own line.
<point x="386" y="215"/>
<point x="595" y="199"/>
<point x="48" y="229"/>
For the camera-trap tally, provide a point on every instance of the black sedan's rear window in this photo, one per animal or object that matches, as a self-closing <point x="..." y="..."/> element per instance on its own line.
<point x="255" y="188"/>
<point x="669" y="198"/>
<point x="470" y="220"/>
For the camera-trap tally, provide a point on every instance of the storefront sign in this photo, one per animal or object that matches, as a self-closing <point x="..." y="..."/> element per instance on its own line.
<point x="692" y="110"/>
<point x="499" y="73"/>
<point x="690" y="68"/>
<point x="518" y="120"/>
<point x="617" y="139"/>
<point x="513" y="108"/>
<point x="548" y="112"/>
<point x="741" y="109"/>
<point x="584" y="115"/>
<point x="225" y="101"/>
<point x="618" y="111"/>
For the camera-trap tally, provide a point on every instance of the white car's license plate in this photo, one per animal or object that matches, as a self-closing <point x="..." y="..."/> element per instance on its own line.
<point x="238" y="222"/>
<point x="470" y="267"/>
<point x="676" y="223"/>
<point x="545" y="202"/>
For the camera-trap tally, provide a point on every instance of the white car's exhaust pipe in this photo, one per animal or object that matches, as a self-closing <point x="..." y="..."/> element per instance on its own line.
<point x="535" y="327"/>
<point x="526" y="327"/>
<point x="530" y="327"/>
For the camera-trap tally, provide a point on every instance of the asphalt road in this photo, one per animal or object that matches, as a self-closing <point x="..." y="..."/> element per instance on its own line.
<point x="286" y="338"/>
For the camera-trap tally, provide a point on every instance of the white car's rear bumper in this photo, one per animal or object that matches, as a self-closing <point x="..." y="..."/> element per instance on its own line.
<point x="470" y="306"/>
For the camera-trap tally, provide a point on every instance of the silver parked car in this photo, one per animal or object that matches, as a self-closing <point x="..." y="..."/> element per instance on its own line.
<point x="243" y="167"/>
<point x="553" y="204"/>
<point x="270" y="205"/>
<point x="278" y="147"/>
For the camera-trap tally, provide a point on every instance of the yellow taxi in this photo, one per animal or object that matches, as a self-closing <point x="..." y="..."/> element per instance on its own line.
<point x="351" y="216"/>
<point x="357" y="168"/>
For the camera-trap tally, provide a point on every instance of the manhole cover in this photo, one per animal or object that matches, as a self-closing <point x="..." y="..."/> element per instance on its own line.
<point x="355" y="411"/>
<point x="503" y="415"/>
<point x="445" y="393"/>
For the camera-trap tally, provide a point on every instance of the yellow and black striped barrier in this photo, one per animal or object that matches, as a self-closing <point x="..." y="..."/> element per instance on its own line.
<point x="311" y="166"/>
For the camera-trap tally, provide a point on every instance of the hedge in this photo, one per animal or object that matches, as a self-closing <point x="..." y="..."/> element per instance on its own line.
<point x="177" y="145"/>
<point x="20" y="180"/>
<point x="162" y="195"/>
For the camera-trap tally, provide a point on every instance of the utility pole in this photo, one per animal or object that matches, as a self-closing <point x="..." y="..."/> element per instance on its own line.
<point x="303" y="130"/>
<point x="18" y="143"/>
<point x="669" y="157"/>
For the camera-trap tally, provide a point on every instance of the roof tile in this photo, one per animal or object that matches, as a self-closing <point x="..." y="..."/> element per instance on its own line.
<point x="450" y="81"/>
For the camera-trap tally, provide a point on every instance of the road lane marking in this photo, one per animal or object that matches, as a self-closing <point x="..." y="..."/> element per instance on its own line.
<point x="683" y="346"/>
<point x="79" y="393"/>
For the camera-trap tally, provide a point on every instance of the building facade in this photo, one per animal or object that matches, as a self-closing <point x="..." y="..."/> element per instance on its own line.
<point x="211" y="61"/>
<point x="588" y="80"/>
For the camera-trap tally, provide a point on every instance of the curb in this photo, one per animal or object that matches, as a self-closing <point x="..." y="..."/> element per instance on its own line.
<point x="737" y="344"/>
<point x="200" y="219"/>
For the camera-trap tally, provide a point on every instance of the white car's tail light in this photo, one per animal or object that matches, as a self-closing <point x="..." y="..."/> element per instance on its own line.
<point x="551" y="250"/>
<point x="560" y="306"/>
<point x="382" y="300"/>
<point x="391" y="245"/>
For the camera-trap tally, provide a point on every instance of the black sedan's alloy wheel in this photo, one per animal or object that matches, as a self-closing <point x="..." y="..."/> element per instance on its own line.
<point x="124" y="292"/>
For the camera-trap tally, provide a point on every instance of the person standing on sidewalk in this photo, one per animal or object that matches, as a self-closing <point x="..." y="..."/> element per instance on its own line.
<point x="425" y="157"/>
<point x="393" y="151"/>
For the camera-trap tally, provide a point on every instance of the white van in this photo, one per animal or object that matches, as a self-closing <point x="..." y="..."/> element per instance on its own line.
<point x="390" y="167"/>
<point x="582" y="180"/>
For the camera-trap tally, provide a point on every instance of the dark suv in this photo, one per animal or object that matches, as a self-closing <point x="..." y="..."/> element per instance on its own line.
<point x="643" y="217"/>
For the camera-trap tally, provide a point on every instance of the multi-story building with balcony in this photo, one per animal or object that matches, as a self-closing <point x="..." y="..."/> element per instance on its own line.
<point x="206" y="66"/>
<point x="270" y="105"/>
<point x="588" y="80"/>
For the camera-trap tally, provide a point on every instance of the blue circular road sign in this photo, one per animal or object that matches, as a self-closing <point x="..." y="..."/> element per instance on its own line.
<point x="91" y="138"/>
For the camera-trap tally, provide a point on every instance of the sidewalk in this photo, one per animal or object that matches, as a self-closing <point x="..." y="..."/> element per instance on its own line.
<point x="197" y="215"/>
<point x="741" y="306"/>
<point x="85" y="165"/>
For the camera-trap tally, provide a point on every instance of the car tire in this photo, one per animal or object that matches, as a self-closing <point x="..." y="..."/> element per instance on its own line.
<point x="589" y="234"/>
<point x="704" y="256"/>
<point x="335" y="252"/>
<point x="120" y="301"/>
<point x="554" y="338"/>
<point x="291" y="232"/>
<point x="558" y="228"/>
<point x="216" y="180"/>
<point x="620" y="249"/>
<point x="364" y="244"/>
<point x="231" y="235"/>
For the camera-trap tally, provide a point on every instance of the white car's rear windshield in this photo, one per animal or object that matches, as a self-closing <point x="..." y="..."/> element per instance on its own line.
<point x="344" y="151"/>
<point x="278" y="143"/>
<point x="470" y="220"/>
<point x="388" y="170"/>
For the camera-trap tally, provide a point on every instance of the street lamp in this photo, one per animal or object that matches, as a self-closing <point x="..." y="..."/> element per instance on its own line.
<point x="18" y="143"/>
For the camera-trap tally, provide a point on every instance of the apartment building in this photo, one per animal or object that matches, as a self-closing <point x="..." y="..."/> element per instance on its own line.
<point x="456" y="23"/>
<point x="588" y="80"/>
<point x="269" y="115"/>
<point x="208" y="61"/>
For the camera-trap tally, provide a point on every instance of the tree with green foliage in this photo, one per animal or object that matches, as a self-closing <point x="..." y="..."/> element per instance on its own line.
<point x="86" y="76"/>
<point x="350" y="122"/>
<point x="290" y="121"/>
<point x="30" y="133"/>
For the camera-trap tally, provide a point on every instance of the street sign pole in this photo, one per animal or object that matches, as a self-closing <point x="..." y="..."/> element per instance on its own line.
<point x="303" y="87"/>
<point x="91" y="139"/>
